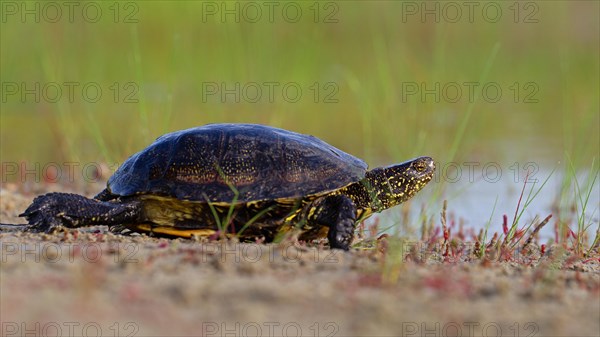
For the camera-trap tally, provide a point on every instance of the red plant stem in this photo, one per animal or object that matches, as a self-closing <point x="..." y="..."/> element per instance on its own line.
<point x="520" y="197"/>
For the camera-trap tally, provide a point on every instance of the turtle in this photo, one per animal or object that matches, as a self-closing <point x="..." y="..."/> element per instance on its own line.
<point x="253" y="181"/>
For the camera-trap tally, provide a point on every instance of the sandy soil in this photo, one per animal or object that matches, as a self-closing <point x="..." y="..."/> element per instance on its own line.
<point x="92" y="282"/>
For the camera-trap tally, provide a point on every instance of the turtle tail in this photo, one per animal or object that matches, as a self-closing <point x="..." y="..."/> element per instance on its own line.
<point x="14" y="227"/>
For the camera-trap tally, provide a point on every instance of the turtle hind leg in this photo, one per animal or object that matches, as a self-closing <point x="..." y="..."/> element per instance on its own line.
<point x="52" y="210"/>
<point x="337" y="212"/>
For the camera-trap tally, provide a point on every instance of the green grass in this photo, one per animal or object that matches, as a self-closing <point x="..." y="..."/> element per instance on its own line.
<point x="169" y="54"/>
<point x="519" y="211"/>
<point x="575" y="205"/>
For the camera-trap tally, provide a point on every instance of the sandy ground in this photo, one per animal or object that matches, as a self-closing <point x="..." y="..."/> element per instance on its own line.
<point x="91" y="282"/>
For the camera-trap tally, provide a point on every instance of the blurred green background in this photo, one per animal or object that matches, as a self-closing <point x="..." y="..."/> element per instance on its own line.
<point x="383" y="80"/>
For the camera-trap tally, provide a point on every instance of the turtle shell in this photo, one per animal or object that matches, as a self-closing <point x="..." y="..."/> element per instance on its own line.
<point x="217" y="161"/>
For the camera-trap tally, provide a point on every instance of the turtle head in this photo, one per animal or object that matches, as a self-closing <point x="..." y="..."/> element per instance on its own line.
<point x="393" y="185"/>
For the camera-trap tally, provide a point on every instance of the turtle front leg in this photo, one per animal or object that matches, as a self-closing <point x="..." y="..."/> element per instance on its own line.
<point x="52" y="210"/>
<point x="337" y="212"/>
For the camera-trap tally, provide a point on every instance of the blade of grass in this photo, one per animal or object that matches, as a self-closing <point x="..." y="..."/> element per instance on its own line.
<point x="256" y="217"/>
<point x="581" y="202"/>
<point x="518" y="214"/>
<point x="94" y="129"/>
<point x="214" y="212"/>
<point x="458" y="137"/>
<point x="137" y="60"/>
<point x="487" y="226"/>
<point x="464" y="122"/>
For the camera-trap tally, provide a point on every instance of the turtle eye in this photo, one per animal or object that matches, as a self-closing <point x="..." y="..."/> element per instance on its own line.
<point x="419" y="166"/>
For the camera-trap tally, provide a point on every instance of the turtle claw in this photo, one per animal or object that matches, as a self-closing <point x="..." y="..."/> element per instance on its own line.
<point x="339" y="214"/>
<point x="342" y="235"/>
<point x="53" y="210"/>
<point x="44" y="215"/>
